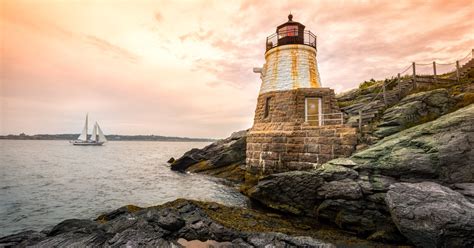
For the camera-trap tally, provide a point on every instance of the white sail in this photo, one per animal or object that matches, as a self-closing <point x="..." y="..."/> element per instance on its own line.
<point x="94" y="133"/>
<point x="83" y="135"/>
<point x="101" y="134"/>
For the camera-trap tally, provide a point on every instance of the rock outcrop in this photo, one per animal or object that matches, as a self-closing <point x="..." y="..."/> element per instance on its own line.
<point x="441" y="150"/>
<point x="335" y="194"/>
<point x="184" y="222"/>
<point x="414" y="109"/>
<point x="224" y="158"/>
<point x="351" y="192"/>
<point x="431" y="215"/>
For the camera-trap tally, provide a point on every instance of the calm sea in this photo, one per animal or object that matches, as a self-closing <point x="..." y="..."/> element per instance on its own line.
<point x="45" y="182"/>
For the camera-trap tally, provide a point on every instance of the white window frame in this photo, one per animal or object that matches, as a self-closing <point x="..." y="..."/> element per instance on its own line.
<point x="320" y="109"/>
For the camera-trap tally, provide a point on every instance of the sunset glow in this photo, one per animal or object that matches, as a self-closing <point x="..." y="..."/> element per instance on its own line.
<point x="184" y="68"/>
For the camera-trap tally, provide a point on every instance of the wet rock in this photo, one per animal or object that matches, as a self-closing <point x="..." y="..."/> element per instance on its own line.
<point x="189" y="158"/>
<point x="118" y="212"/>
<point x="169" y="225"/>
<point x="75" y="225"/>
<point x="431" y="215"/>
<point x="282" y="240"/>
<point x="224" y="158"/>
<point x="294" y="192"/>
<point x="22" y="239"/>
<point x="168" y="220"/>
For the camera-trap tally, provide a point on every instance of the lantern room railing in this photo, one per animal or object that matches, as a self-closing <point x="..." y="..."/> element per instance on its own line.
<point x="291" y="37"/>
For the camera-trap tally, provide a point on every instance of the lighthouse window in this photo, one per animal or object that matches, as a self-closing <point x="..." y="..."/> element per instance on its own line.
<point x="267" y="107"/>
<point x="291" y="30"/>
<point x="312" y="110"/>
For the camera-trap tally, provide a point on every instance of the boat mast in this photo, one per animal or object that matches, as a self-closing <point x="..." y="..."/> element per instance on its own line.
<point x="83" y="135"/>
<point x="87" y="124"/>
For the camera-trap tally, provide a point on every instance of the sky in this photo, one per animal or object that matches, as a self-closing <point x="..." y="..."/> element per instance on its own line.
<point x="184" y="68"/>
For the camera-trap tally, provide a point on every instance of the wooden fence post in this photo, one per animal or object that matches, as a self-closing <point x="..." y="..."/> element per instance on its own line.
<point x="414" y="75"/>
<point x="360" y="120"/>
<point x="399" y="87"/>
<point x="434" y="71"/>
<point x="384" y="93"/>
<point x="457" y="70"/>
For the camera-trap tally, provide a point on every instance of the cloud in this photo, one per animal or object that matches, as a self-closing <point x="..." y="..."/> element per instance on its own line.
<point x="108" y="47"/>
<point x="158" y="16"/>
<point x="186" y="69"/>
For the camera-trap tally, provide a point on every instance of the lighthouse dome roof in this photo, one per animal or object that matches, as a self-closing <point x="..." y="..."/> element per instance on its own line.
<point x="291" y="22"/>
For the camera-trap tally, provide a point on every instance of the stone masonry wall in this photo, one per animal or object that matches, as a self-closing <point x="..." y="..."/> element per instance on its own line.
<point x="274" y="148"/>
<point x="289" y="106"/>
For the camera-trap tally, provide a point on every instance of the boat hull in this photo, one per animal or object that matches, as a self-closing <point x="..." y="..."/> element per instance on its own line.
<point x="82" y="143"/>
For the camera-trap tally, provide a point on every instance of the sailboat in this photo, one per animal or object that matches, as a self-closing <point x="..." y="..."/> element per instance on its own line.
<point x="96" y="139"/>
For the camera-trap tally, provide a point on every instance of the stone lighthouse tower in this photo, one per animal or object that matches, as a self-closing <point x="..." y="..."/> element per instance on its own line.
<point x="297" y="122"/>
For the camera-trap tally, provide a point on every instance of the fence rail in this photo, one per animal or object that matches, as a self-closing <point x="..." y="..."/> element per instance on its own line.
<point x="418" y="73"/>
<point x="291" y="37"/>
<point x="327" y="119"/>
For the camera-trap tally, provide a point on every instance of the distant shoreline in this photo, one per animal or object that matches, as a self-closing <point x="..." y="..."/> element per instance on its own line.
<point x="113" y="137"/>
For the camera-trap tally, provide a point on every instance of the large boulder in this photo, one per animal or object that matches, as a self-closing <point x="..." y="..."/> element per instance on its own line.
<point x="294" y="192"/>
<point x="431" y="215"/>
<point x="223" y="158"/>
<point x="332" y="193"/>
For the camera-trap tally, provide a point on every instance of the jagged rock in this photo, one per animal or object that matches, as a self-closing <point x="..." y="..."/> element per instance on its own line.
<point x="360" y="216"/>
<point x="171" y="160"/>
<point x="294" y="192"/>
<point x="323" y="194"/>
<point x="183" y="222"/>
<point x="282" y="240"/>
<point x="332" y="171"/>
<point x="431" y="215"/>
<point x="224" y="158"/>
<point x="22" y="239"/>
<point x="413" y="109"/>
<point x="346" y="162"/>
<point x="118" y="212"/>
<point x="75" y="225"/>
<point x="189" y="158"/>
<point x="466" y="189"/>
<point x="438" y="150"/>
<point x="371" y="184"/>
<point x="342" y="189"/>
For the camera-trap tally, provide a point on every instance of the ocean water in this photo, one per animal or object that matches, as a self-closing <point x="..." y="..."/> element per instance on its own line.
<point x="45" y="182"/>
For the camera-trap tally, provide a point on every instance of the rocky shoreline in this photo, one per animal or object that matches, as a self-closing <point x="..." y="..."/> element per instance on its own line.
<point x="412" y="185"/>
<point x="186" y="223"/>
<point x="376" y="193"/>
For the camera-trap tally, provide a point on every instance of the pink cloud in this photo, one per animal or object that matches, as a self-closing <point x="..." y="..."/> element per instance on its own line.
<point x="179" y="69"/>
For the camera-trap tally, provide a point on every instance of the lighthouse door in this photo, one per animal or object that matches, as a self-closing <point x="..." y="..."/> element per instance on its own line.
<point x="312" y="110"/>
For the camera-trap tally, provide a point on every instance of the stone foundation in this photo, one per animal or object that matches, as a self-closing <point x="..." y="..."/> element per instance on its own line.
<point x="280" y="139"/>
<point x="273" y="148"/>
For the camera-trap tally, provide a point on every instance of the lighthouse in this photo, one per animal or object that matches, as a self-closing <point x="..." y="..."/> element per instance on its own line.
<point x="290" y="59"/>
<point x="297" y="123"/>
